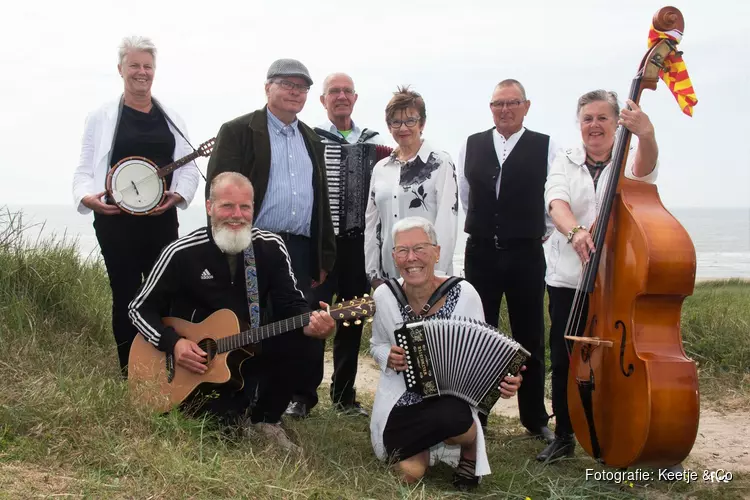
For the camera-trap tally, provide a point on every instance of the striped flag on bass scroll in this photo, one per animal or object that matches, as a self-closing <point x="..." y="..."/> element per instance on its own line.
<point x="676" y="75"/>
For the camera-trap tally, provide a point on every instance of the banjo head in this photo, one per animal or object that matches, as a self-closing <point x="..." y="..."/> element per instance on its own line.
<point x="135" y="185"/>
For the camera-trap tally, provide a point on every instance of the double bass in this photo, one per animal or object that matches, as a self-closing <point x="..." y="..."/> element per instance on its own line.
<point x="633" y="393"/>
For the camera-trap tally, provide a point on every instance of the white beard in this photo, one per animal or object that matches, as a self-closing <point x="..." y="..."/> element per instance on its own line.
<point x="231" y="241"/>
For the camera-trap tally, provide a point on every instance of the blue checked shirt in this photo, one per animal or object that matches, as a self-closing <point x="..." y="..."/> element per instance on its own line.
<point x="287" y="204"/>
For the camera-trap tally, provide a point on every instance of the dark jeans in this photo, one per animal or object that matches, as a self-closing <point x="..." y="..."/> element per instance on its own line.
<point x="347" y="280"/>
<point x="130" y="245"/>
<point x="560" y="304"/>
<point x="517" y="271"/>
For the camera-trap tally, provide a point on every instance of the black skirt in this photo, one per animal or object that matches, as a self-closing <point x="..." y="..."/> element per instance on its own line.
<point x="415" y="428"/>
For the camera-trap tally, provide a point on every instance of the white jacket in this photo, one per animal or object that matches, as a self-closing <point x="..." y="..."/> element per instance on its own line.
<point x="569" y="180"/>
<point x="391" y="384"/>
<point x="99" y="129"/>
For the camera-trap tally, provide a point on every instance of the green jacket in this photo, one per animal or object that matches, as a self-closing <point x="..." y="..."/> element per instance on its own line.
<point x="243" y="146"/>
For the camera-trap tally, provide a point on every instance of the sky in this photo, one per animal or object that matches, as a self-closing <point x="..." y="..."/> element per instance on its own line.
<point x="59" y="62"/>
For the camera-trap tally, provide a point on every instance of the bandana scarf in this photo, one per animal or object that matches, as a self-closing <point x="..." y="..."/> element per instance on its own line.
<point x="251" y="285"/>
<point x="675" y="74"/>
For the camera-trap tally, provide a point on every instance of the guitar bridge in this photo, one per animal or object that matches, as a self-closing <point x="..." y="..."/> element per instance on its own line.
<point x="169" y="365"/>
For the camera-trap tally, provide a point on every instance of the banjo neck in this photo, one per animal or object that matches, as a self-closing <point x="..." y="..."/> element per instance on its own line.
<point x="168" y="169"/>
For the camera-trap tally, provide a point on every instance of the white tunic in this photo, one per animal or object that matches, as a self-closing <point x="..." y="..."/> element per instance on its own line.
<point x="391" y="383"/>
<point x="424" y="187"/>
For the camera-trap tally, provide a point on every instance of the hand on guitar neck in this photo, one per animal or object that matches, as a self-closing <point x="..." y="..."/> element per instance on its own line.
<point x="190" y="356"/>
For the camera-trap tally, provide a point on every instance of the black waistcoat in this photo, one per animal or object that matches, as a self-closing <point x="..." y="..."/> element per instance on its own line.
<point x="518" y="213"/>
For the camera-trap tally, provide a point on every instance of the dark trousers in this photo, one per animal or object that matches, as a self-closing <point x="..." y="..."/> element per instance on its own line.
<point x="310" y="349"/>
<point x="560" y="304"/>
<point x="515" y="270"/>
<point x="347" y="280"/>
<point x="130" y="245"/>
<point x="268" y="383"/>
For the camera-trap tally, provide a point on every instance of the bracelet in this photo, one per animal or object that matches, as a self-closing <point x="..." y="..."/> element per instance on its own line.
<point x="573" y="231"/>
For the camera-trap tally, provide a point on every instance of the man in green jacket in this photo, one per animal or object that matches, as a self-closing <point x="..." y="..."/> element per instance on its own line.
<point x="284" y="159"/>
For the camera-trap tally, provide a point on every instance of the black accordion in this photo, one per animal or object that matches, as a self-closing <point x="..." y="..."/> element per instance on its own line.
<point x="349" y="169"/>
<point x="458" y="357"/>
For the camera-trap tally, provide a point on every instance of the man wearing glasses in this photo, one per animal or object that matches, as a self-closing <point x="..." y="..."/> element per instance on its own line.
<point x="502" y="172"/>
<point x="347" y="279"/>
<point x="283" y="158"/>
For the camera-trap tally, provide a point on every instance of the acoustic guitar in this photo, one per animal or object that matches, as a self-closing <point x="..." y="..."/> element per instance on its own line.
<point x="156" y="381"/>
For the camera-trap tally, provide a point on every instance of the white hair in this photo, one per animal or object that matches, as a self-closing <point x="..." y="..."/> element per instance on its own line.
<point x="408" y="223"/>
<point x="327" y="81"/>
<point x="137" y="44"/>
<point x="233" y="178"/>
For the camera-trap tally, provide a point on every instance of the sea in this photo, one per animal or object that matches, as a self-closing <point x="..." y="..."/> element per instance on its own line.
<point x="721" y="235"/>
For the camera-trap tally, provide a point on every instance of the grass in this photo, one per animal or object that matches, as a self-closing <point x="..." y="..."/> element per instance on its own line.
<point x="67" y="427"/>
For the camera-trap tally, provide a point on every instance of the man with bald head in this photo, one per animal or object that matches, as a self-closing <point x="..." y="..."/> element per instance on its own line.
<point x="348" y="279"/>
<point x="501" y="173"/>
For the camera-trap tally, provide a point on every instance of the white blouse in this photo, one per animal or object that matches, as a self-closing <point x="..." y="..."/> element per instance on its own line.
<point x="569" y="180"/>
<point x="391" y="384"/>
<point x="425" y="186"/>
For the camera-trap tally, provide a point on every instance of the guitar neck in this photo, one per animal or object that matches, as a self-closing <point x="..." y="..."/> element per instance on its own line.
<point x="255" y="335"/>
<point x="164" y="171"/>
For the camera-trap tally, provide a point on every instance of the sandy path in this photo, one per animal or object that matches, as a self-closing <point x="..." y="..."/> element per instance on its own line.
<point x="723" y="440"/>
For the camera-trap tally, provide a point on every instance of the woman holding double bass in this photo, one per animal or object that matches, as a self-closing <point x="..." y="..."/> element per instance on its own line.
<point x="631" y="393"/>
<point x="134" y="125"/>
<point x="574" y="189"/>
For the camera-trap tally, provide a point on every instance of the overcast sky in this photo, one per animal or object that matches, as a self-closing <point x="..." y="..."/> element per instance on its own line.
<point x="59" y="62"/>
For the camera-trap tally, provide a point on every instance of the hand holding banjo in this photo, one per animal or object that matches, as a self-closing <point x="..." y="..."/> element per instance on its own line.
<point x="137" y="186"/>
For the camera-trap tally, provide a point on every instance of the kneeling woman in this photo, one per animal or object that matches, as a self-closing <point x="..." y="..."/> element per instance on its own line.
<point x="405" y="428"/>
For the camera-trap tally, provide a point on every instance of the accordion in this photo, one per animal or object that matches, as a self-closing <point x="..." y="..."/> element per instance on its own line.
<point x="349" y="169"/>
<point x="458" y="357"/>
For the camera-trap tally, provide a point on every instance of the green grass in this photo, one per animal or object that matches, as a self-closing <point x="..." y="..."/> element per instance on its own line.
<point x="67" y="426"/>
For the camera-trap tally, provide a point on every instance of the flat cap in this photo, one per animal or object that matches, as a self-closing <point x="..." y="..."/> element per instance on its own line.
<point x="289" y="67"/>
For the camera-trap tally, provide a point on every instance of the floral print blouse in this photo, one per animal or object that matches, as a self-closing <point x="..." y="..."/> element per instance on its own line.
<point x="425" y="186"/>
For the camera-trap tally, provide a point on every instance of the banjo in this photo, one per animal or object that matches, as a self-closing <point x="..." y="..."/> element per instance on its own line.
<point x="137" y="185"/>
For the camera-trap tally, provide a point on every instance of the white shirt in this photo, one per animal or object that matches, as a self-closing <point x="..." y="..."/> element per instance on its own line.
<point x="503" y="148"/>
<point x="391" y="383"/>
<point x="569" y="180"/>
<point x="425" y="187"/>
<point x="356" y="132"/>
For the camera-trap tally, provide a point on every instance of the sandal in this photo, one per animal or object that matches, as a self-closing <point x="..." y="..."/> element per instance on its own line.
<point x="464" y="477"/>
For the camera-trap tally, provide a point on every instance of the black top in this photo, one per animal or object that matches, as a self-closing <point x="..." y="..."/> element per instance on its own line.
<point x="518" y="213"/>
<point x="144" y="134"/>
<point x="192" y="279"/>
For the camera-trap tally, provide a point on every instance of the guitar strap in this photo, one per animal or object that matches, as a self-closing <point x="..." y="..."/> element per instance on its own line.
<point x="251" y="285"/>
<point x="158" y="105"/>
<point x="438" y="294"/>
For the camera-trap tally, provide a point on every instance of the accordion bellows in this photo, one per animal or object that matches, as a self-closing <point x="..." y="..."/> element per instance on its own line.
<point x="458" y="357"/>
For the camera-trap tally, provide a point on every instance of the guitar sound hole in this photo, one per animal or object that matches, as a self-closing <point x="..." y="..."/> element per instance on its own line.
<point x="209" y="347"/>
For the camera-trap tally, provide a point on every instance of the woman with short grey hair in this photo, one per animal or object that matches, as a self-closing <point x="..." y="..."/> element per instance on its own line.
<point x="573" y="192"/>
<point x="134" y="124"/>
<point x="411" y="431"/>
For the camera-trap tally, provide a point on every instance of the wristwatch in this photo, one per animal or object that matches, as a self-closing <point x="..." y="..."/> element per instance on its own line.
<point x="573" y="231"/>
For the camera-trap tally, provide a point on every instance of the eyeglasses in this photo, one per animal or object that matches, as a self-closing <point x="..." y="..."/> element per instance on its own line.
<point x="337" y="91"/>
<point x="287" y="85"/>
<point x="507" y="104"/>
<point x="420" y="250"/>
<point x="409" y="122"/>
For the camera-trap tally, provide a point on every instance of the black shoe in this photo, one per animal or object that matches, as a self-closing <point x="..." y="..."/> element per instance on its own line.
<point x="561" y="447"/>
<point x="354" y="409"/>
<point x="464" y="477"/>
<point x="297" y="410"/>
<point x="544" y="433"/>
